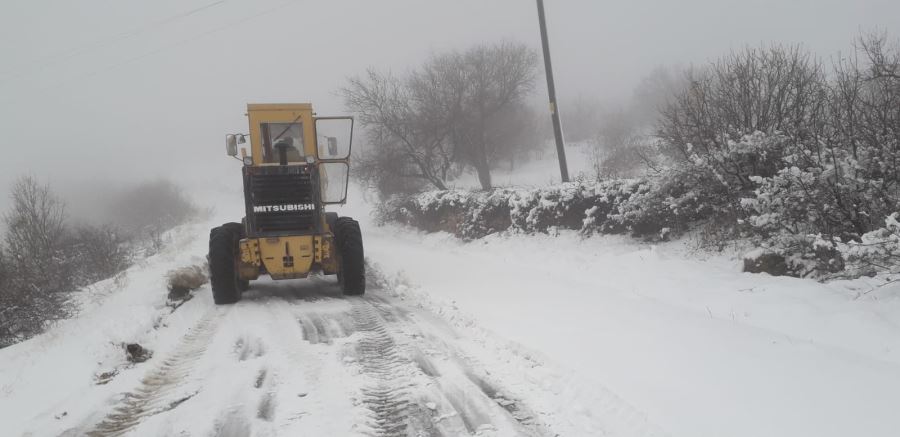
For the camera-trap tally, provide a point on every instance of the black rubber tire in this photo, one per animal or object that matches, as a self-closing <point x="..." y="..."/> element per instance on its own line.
<point x="352" y="273"/>
<point x="238" y="229"/>
<point x="223" y="253"/>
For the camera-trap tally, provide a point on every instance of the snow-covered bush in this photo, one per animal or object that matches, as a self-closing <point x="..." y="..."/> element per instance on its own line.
<point x="462" y="213"/>
<point x="878" y="250"/>
<point x="562" y="207"/>
<point x="822" y="203"/>
<point x="802" y="162"/>
<point x="669" y="204"/>
<point x="616" y="206"/>
<point x="607" y="199"/>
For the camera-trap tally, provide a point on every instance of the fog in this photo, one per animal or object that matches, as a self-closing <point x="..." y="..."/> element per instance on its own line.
<point x="124" y="90"/>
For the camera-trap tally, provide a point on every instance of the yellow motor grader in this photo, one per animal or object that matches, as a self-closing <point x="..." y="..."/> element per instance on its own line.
<point x="296" y="167"/>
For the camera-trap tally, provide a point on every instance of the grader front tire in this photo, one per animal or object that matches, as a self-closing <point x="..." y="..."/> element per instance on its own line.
<point x="223" y="278"/>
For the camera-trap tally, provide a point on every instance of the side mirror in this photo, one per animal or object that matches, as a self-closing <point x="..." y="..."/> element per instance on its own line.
<point x="230" y="145"/>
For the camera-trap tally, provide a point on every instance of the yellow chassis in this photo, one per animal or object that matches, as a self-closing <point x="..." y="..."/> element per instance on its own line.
<point x="287" y="257"/>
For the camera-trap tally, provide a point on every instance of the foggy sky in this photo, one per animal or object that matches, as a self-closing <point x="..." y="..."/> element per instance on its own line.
<point x="132" y="89"/>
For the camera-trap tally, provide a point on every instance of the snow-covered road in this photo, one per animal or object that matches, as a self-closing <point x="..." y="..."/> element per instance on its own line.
<point x="292" y="358"/>
<point x="299" y="359"/>
<point x="512" y="335"/>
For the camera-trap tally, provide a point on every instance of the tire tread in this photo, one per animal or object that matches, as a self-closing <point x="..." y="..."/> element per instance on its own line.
<point x="226" y="289"/>
<point x="348" y="237"/>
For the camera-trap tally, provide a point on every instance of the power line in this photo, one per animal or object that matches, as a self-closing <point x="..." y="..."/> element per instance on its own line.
<point x="62" y="55"/>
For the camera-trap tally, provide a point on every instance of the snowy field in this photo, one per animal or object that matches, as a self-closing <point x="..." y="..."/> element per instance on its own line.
<point x="511" y="335"/>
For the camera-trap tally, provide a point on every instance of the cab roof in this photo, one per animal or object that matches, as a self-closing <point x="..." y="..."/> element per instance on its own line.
<point x="278" y="106"/>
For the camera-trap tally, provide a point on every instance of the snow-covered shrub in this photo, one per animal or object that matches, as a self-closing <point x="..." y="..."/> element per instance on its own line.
<point x="802" y="162"/>
<point x="877" y="251"/>
<point x="696" y="191"/>
<point x="606" y="198"/>
<point x="489" y="213"/>
<point x="798" y="256"/>
<point x="818" y="204"/>
<point x="463" y="213"/>
<point x="615" y="206"/>
<point x="668" y="204"/>
<point x="764" y="261"/>
<point x="562" y="207"/>
<point x="440" y="210"/>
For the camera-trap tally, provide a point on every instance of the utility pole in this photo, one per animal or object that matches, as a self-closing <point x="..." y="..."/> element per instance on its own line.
<point x="551" y="90"/>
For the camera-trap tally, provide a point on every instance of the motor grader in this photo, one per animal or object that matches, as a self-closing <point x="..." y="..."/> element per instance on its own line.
<point x="296" y="168"/>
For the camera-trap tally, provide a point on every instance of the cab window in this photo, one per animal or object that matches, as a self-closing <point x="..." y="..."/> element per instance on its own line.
<point x="278" y="135"/>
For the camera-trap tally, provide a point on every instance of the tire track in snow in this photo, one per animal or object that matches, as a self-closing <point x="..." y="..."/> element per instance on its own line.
<point x="387" y="397"/>
<point x="454" y="404"/>
<point x="305" y="386"/>
<point x="602" y="413"/>
<point x="409" y="395"/>
<point x="152" y="396"/>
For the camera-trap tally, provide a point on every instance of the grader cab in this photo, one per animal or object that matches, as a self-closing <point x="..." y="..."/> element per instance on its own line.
<point x="296" y="168"/>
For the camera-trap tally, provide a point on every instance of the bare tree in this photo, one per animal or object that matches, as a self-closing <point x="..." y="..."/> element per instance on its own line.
<point x="36" y="261"/>
<point x="406" y="122"/>
<point x="515" y="133"/>
<point x="497" y="77"/>
<point x="882" y="56"/>
<point x="442" y="115"/>
<point x="35" y="229"/>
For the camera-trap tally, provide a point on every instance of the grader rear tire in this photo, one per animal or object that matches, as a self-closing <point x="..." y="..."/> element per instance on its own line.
<point x="352" y="274"/>
<point x="238" y="230"/>
<point x="223" y="252"/>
